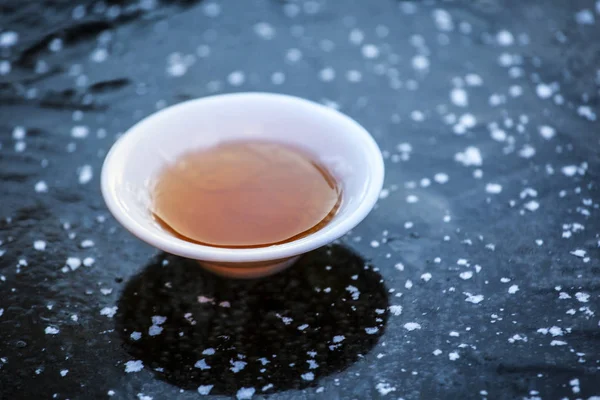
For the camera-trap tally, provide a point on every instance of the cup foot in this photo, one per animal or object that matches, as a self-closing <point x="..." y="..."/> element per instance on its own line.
<point x="248" y="270"/>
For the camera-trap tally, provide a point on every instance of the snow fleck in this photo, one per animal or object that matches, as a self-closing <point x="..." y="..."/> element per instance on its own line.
<point x="453" y="356"/>
<point x="370" y="51"/>
<point x="466" y="275"/>
<point x="586" y="111"/>
<point x="135" y="335"/>
<point x="109" y="311"/>
<point x="396" y="309"/>
<point x="204" y="390"/>
<point x="471" y="156"/>
<point x="354" y="292"/>
<point x="558" y="343"/>
<point x="356" y="36"/>
<point x="475" y="299"/>
<point x="384" y="388"/>
<point x="134" y="366"/>
<point x="327" y="74"/>
<point x="569" y="170"/>
<point x="338" y="338"/>
<point x="86" y="244"/>
<point x="426" y="276"/>
<point x="204" y="299"/>
<point x="88" y="261"/>
<point x="543" y="90"/>
<point x="293" y="55"/>
<point x="578" y="253"/>
<point x="517" y="338"/>
<point x="473" y="80"/>
<point x="420" y="62"/>
<point x="212" y="9"/>
<point x="64" y="372"/>
<point x="303" y="327"/>
<point x="441" y="178"/>
<point x="527" y="151"/>
<point x="73" y="263"/>
<point x="264" y="30"/>
<point x="411" y="326"/>
<point x="437" y="352"/>
<point x="51" y="330"/>
<point x="209" y="352"/>
<point x="39" y="245"/>
<point x="309" y="376"/>
<point x="371" y="331"/>
<point x="584" y="17"/>
<point x="236" y="78"/>
<point x="245" y="393"/>
<point x="8" y="38"/>
<point x="411" y="199"/>
<point x="513" y="289"/>
<point x="493" y="188"/>
<point x="237" y="366"/>
<point x="575" y="385"/>
<point x="85" y="174"/>
<point x="582" y="297"/>
<point x="459" y="97"/>
<point x="99" y="55"/>
<point x="504" y="38"/>
<point x="155" y="330"/>
<point x="201" y="364"/>
<point x="547" y="132"/>
<point x="41" y="187"/>
<point x="532" y="205"/>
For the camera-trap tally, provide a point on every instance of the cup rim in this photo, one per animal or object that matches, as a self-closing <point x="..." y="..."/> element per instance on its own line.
<point x="180" y="247"/>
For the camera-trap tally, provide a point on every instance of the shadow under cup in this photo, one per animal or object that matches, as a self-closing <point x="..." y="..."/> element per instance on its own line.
<point x="193" y="328"/>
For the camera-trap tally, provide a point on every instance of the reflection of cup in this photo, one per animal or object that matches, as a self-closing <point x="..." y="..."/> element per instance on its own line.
<point x="286" y="332"/>
<point x="335" y="140"/>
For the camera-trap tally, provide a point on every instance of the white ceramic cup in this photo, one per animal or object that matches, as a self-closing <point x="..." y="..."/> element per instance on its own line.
<point x="335" y="140"/>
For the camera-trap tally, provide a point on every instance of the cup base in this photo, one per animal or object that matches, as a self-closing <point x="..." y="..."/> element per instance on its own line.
<point x="248" y="270"/>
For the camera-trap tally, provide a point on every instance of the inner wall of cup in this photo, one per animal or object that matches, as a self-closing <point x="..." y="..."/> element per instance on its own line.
<point x="162" y="138"/>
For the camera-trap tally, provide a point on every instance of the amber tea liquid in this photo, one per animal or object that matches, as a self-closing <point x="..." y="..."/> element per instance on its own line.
<point x="245" y="194"/>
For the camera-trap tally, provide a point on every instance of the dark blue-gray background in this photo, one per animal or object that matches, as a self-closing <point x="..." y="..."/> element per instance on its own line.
<point x="483" y="272"/>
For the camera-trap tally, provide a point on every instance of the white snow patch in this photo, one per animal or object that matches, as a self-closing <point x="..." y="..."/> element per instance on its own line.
<point x="471" y="156"/>
<point x="396" y="309"/>
<point x="85" y="174"/>
<point x="245" y="393"/>
<point x="134" y="366"/>
<point x="109" y="311"/>
<point x="473" y="298"/>
<point x="204" y="390"/>
<point x="51" y="330"/>
<point x="493" y="188"/>
<point x="384" y="388"/>
<point x="459" y="97"/>
<point x="411" y="326"/>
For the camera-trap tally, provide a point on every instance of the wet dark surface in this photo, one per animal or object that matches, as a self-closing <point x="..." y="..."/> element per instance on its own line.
<point x="476" y="276"/>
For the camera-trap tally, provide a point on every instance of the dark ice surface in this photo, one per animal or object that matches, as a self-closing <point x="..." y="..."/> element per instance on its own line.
<point x="477" y="275"/>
